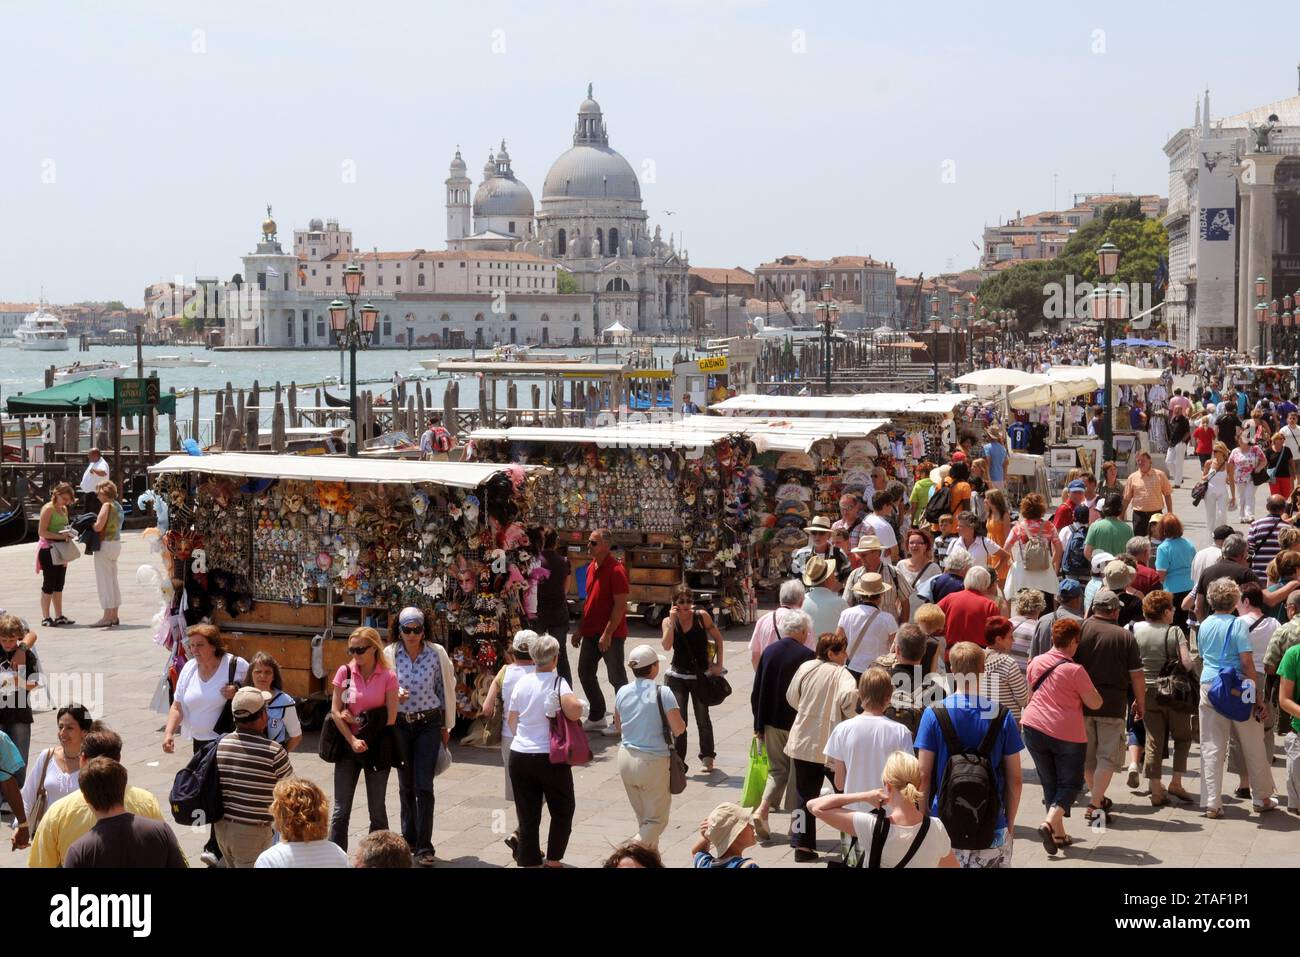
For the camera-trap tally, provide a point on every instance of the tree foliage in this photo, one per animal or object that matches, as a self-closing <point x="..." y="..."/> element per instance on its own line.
<point x="566" y="283"/>
<point x="1024" y="288"/>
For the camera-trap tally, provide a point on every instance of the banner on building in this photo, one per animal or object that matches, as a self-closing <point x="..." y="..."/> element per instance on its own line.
<point x="1216" y="247"/>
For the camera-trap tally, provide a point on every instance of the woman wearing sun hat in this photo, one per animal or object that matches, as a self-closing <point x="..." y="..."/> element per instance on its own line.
<point x="724" y="837"/>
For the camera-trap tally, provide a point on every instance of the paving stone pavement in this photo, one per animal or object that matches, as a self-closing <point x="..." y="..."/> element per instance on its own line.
<point x="122" y="668"/>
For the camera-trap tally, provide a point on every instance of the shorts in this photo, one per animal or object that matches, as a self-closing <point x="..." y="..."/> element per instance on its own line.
<point x="1107" y="739"/>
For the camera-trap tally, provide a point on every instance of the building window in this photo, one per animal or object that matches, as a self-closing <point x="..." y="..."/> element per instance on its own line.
<point x="545" y="318"/>
<point x="329" y="280"/>
<point x="600" y="241"/>
<point x="388" y="327"/>
<point x="289" y="322"/>
<point x="512" y="229"/>
<point x="399" y="278"/>
<point x="381" y="280"/>
<point x="478" y="317"/>
<point x="561" y="243"/>
<point x="514" y="333"/>
<point x="513" y="317"/>
<point x="320" y="327"/>
<point x="444" y="318"/>
<point x="478" y="336"/>
<point x="420" y="280"/>
<point x="575" y="333"/>
<point x="613" y="241"/>
<point x="546" y="334"/>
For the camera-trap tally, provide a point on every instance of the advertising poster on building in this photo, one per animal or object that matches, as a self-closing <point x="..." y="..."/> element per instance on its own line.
<point x="1216" y="247"/>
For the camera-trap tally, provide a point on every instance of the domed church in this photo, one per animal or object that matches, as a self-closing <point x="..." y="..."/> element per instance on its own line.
<point x="591" y="220"/>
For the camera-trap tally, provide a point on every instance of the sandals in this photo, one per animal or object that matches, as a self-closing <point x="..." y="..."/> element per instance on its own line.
<point x="425" y="858"/>
<point x="1214" y="813"/>
<point x="1104" y="811"/>
<point x="1163" y="802"/>
<point x="1063" y="840"/>
<point x="1049" y="839"/>
<point x="1181" y="794"/>
<point x="48" y="623"/>
<point x="61" y="621"/>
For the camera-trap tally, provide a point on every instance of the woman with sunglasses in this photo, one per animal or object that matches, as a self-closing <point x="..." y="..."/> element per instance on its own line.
<point x="426" y="712"/>
<point x="688" y="634"/>
<point x="364" y="684"/>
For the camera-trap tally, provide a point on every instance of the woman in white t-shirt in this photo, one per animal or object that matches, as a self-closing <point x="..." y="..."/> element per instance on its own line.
<point x="1259" y="630"/>
<point x="301" y="812"/>
<point x="910" y="838"/>
<point x="537" y="698"/>
<point x="520" y="664"/>
<point x="205" y="684"/>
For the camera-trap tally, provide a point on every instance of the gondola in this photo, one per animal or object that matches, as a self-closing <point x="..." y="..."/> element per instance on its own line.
<point x="335" y="402"/>
<point x="13" y="524"/>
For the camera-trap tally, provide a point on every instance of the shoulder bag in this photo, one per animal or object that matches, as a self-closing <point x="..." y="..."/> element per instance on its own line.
<point x="42" y="802"/>
<point x="226" y="722"/>
<point x="1227" y="694"/>
<point x="1260" y="475"/>
<point x="331" y="744"/>
<point x="710" y="689"/>
<point x="64" y="553"/>
<point x="569" y="744"/>
<point x="866" y="626"/>
<point x="676" y="766"/>
<point x="880" y="833"/>
<point x="1176" y="687"/>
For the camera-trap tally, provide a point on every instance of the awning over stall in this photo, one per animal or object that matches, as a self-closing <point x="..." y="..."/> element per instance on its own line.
<point x="82" y="396"/>
<point x="319" y="468"/>
<point x="876" y="403"/>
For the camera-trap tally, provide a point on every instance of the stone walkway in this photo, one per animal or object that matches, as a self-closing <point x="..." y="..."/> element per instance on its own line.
<point x="121" y="669"/>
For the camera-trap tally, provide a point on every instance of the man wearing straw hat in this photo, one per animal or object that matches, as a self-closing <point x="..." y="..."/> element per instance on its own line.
<point x="819" y="543"/>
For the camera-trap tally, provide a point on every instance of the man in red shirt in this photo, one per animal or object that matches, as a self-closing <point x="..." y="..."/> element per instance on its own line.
<point x="1147" y="578"/>
<point x="966" y="611"/>
<point x="603" y="632"/>
<point x="1075" y="493"/>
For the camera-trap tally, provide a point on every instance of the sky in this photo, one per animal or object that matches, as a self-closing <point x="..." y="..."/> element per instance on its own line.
<point x="144" y="138"/>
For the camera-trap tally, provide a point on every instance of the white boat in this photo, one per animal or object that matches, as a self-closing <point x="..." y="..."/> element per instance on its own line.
<point x="103" y="369"/>
<point x="171" y="362"/>
<point x="42" y="331"/>
<point x="795" y="333"/>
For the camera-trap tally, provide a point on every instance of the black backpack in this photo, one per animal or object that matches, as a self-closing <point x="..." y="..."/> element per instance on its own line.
<point x="195" y="796"/>
<point x="968" y="793"/>
<point x="939" y="505"/>
<point x="1076" y="562"/>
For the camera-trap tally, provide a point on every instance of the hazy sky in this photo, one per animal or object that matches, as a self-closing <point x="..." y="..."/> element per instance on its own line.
<point x="143" y="139"/>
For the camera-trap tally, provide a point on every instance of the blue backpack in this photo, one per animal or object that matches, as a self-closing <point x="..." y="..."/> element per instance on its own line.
<point x="1076" y="564"/>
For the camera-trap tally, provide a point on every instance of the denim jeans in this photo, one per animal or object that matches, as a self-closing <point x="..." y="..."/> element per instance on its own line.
<point x="682" y="688"/>
<point x="1059" y="765"/>
<point x="21" y="736"/>
<point x="346" y="771"/>
<point x="415" y="782"/>
<point x="589" y="658"/>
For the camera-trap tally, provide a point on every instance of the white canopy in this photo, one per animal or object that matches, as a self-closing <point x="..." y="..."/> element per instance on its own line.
<point x="1121" y="373"/>
<point x="1038" y="394"/>
<point x="331" y="468"/>
<point x="696" y="431"/>
<point x="616" y="329"/>
<point x="878" y="403"/>
<point x="999" y="377"/>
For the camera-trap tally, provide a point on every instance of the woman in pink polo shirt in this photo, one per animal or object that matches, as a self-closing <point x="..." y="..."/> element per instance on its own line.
<point x="362" y="685"/>
<point x="1052" y="727"/>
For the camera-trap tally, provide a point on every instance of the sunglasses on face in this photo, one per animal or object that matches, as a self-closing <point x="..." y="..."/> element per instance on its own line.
<point x="412" y="629"/>
<point x="358" y="650"/>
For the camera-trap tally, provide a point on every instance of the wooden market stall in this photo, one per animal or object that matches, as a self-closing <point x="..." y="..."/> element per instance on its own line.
<point x="287" y="554"/>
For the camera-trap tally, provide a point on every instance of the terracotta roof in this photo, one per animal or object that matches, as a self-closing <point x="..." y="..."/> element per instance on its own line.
<point x="737" y="276"/>
<point x="1024" y="240"/>
<point x="835" y="262"/>
<point x="23" y="307"/>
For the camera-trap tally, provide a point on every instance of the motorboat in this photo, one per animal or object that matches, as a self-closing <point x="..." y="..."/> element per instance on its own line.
<point x="42" y="331"/>
<point x="172" y="362"/>
<point x="102" y="369"/>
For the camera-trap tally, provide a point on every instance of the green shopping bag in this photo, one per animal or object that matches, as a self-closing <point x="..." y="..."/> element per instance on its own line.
<point x="755" y="775"/>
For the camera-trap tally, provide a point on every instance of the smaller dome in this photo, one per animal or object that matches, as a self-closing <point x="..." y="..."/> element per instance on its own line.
<point x="502" y="155"/>
<point x="315" y="225"/>
<point x="457" y="163"/>
<point x="589" y="107"/>
<point x="490" y="167"/>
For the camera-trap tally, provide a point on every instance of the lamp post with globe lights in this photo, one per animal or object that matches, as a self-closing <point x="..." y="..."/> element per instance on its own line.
<point x="1107" y="266"/>
<point x="352" y="333"/>
<point x="828" y="314"/>
<point x="935" y="323"/>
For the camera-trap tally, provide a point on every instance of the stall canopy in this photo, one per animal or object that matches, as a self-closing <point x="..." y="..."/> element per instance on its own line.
<point x="317" y="468"/>
<point x="999" y="377"/>
<point x="1037" y="394"/>
<point x="1121" y="373"/>
<point x="82" y="396"/>
<point x="877" y="403"/>
<point x="695" y="432"/>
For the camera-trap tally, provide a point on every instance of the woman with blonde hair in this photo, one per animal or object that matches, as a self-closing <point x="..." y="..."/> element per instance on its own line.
<point x="108" y="523"/>
<point x="301" y="812"/>
<point x="363" y="706"/>
<point x="897" y="832"/>
<point x="52" y="529"/>
<point x="1215" y="475"/>
<point x="1036" y="551"/>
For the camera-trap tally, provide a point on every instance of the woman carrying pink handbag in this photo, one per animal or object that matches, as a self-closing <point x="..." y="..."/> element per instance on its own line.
<point x="543" y="713"/>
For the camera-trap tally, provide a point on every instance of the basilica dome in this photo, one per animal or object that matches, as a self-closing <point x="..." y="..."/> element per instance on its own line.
<point x="499" y="196"/>
<point x="590" y="169"/>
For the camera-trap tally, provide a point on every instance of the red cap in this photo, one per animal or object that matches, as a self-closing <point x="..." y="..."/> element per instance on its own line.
<point x="959" y="456"/>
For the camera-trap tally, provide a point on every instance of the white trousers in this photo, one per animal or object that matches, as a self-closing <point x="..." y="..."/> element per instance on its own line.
<point x="1215" y="733"/>
<point x="1174" y="459"/>
<point x="110" y="595"/>
<point x="1216" y="507"/>
<point x="1246" y="500"/>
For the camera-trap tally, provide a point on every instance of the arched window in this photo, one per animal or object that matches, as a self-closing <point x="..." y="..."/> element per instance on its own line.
<point x="561" y="243"/>
<point x="513" y="317"/>
<point x="613" y="241"/>
<point x="444" y="318"/>
<point x="617" y="285"/>
<point x="600" y="241"/>
<point x="420" y="280"/>
<point x="478" y="318"/>
<point x="388" y="326"/>
<point x="576" y="320"/>
<point x="545" y="317"/>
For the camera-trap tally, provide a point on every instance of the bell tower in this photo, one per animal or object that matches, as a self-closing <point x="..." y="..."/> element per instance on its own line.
<point x="458" y="201"/>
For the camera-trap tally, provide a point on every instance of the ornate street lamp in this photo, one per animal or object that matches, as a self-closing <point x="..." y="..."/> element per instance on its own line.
<point x="830" y="314"/>
<point x="352" y="333"/>
<point x="1107" y="266"/>
<point x="935" y="323"/>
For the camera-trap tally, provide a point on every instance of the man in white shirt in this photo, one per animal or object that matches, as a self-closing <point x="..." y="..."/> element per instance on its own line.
<point x="1292" y="432"/>
<point x="1211" y="553"/>
<point x="96" y="472"/>
<point x="858" y="748"/>
<point x="880" y="525"/>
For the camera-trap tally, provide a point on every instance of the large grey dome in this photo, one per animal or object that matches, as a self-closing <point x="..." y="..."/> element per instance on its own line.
<point x="591" y="172"/>
<point x="500" y="196"/>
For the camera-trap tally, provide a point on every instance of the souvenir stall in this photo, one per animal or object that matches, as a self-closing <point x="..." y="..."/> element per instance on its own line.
<point x="678" y="504"/>
<point x="287" y="554"/>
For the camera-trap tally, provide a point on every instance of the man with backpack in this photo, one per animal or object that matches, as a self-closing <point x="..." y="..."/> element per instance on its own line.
<point x="914" y="690"/>
<point x="248" y="766"/>
<point x="969" y="748"/>
<point x="436" y="441"/>
<point x="1074" y="538"/>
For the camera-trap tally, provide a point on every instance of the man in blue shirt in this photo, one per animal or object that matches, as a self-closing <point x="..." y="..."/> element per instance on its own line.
<point x="971" y="714"/>
<point x="11" y="762"/>
<point x="1243" y="403"/>
<point x="995" y="452"/>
